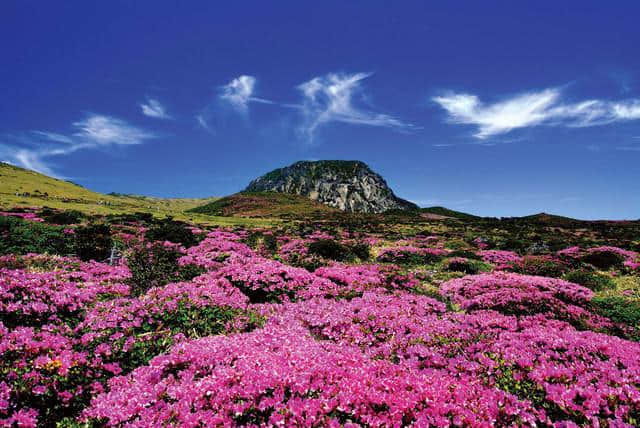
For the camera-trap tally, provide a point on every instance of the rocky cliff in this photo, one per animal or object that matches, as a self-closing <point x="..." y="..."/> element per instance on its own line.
<point x="347" y="185"/>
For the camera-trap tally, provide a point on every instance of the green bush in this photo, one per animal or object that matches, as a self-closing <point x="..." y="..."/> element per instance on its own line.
<point x="593" y="280"/>
<point x="332" y="250"/>
<point x="618" y="309"/>
<point x="61" y="217"/>
<point x="131" y="218"/>
<point x="541" y="266"/>
<point x="172" y="231"/>
<point x="604" y="259"/>
<point x="469" y="267"/>
<point x="18" y="236"/>
<point x="152" y="266"/>
<point x="264" y="241"/>
<point x="93" y="242"/>
<point x="467" y="254"/>
<point x="361" y="250"/>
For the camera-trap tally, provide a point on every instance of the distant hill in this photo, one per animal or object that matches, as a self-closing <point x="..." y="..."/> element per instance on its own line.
<point x="23" y="187"/>
<point x="262" y="204"/>
<point x="552" y="219"/>
<point x="446" y="212"/>
<point x="346" y="185"/>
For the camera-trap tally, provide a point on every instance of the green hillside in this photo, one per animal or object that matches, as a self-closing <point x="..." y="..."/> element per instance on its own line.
<point x="20" y="187"/>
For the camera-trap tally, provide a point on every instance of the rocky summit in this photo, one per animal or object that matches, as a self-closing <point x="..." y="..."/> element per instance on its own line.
<point x="347" y="185"/>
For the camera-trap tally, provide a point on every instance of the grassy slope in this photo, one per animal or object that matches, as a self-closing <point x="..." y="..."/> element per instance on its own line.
<point x="42" y="191"/>
<point x="262" y="204"/>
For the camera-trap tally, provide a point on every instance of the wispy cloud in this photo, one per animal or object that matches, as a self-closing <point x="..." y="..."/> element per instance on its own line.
<point x="153" y="108"/>
<point x="36" y="148"/>
<point x="330" y="99"/>
<point x="240" y="92"/>
<point x="98" y="130"/>
<point x="203" y="123"/>
<point x="532" y="109"/>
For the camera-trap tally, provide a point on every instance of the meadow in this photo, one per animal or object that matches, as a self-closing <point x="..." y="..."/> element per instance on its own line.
<point x="322" y="319"/>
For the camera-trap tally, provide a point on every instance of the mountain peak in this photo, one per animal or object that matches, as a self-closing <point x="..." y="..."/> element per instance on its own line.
<point x="347" y="185"/>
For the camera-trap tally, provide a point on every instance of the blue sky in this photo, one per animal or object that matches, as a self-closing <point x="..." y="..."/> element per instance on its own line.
<point x="494" y="108"/>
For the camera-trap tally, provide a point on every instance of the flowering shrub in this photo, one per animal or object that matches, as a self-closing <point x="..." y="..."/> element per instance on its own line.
<point x="501" y="259"/>
<point x="514" y="294"/>
<point x="264" y="280"/>
<point x="35" y="298"/>
<point x="281" y="376"/>
<point x="351" y="281"/>
<point x="214" y="249"/>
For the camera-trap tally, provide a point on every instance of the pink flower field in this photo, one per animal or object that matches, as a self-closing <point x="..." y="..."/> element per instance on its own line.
<point x="256" y="337"/>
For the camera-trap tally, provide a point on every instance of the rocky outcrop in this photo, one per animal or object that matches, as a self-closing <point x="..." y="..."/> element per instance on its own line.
<point x="347" y="185"/>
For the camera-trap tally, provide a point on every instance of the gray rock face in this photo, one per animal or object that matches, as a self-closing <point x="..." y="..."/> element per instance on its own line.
<point x="347" y="185"/>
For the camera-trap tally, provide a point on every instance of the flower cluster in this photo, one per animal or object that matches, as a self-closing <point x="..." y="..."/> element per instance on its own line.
<point x="500" y="259"/>
<point x="282" y="376"/>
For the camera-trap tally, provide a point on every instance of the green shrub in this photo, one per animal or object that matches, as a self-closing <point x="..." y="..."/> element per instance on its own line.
<point x="618" y="309"/>
<point x="187" y="272"/>
<point x="270" y="243"/>
<point x="131" y="218"/>
<point x="330" y="249"/>
<point x="61" y="217"/>
<point x="18" y="236"/>
<point x="264" y="241"/>
<point x="469" y="267"/>
<point x="172" y="231"/>
<point x="361" y="250"/>
<point x="593" y="280"/>
<point x="93" y="242"/>
<point x="467" y="254"/>
<point x="152" y="267"/>
<point x="604" y="259"/>
<point x="541" y="266"/>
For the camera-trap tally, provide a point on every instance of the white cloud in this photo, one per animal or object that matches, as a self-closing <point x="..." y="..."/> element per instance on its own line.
<point x="330" y="99"/>
<point x="93" y="132"/>
<point x="59" y="138"/>
<point x="532" y="109"/>
<point x="153" y="108"/>
<point x="32" y="159"/>
<point x="239" y="93"/>
<point x="104" y="130"/>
